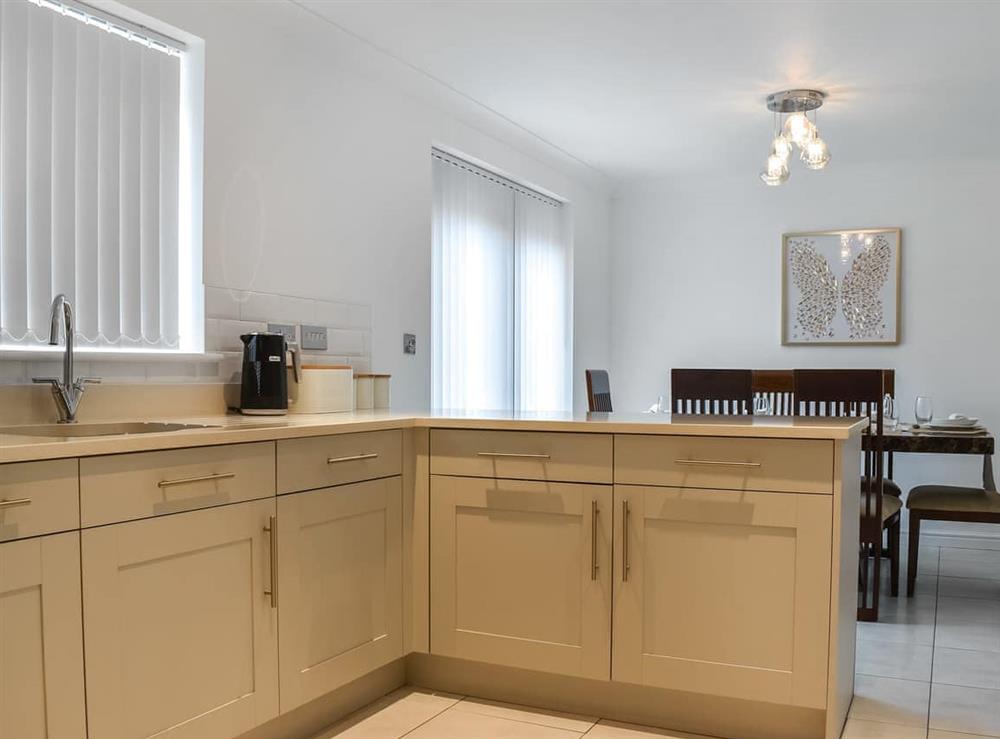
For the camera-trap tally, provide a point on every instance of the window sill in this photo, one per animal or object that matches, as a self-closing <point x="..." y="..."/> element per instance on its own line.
<point x="9" y="354"/>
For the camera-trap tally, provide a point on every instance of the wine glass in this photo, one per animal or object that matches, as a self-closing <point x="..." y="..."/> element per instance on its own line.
<point x="923" y="409"/>
<point x="890" y="412"/>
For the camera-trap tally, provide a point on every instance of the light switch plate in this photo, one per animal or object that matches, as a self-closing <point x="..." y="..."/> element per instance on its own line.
<point x="409" y="344"/>
<point x="313" y="337"/>
<point x="285" y="329"/>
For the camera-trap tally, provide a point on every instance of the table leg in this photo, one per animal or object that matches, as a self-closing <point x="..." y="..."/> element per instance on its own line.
<point x="988" y="482"/>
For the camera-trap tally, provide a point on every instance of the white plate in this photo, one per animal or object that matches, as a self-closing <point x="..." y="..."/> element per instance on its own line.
<point x="955" y="423"/>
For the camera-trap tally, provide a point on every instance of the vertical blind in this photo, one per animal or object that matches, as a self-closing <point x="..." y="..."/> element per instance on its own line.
<point x="502" y="270"/>
<point x="89" y="177"/>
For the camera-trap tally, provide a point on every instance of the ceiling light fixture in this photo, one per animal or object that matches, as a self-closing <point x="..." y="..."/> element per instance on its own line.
<point x="793" y="128"/>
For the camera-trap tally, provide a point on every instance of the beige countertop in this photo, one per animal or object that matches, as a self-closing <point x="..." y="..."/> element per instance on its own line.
<point x="235" y="429"/>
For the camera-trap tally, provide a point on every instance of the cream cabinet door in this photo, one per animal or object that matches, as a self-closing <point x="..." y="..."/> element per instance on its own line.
<point x="340" y="580"/>
<point x="181" y="639"/>
<point x="723" y="592"/>
<point x="41" y="639"/>
<point x="520" y="574"/>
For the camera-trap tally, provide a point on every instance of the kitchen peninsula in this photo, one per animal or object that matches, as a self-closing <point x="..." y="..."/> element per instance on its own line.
<point x="266" y="577"/>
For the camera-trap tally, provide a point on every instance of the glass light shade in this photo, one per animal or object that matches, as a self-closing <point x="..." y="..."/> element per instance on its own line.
<point x="775" y="172"/>
<point x="799" y="128"/>
<point x="815" y="154"/>
<point x="782" y="146"/>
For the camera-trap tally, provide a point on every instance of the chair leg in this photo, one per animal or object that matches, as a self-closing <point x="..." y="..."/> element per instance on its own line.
<point x="894" y="559"/>
<point x="911" y="563"/>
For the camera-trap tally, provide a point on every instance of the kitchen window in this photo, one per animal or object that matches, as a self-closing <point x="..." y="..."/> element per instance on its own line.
<point x="502" y="283"/>
<point x="99" y="179"/>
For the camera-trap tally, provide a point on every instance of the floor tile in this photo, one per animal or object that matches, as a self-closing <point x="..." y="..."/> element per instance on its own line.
<point x="969" y="587"/>
<point x="392" y="716"/>
<point x="974" y="669"/>
<point x="970" y="563"/>
<point x="928" y="560"/>
<point x="856" y="729"/>
<point x="605" y="729"/>
<point x="919" y="609"/>
<point x="454" y="724"/>
<point x="555" y="719"/>
<point x="965" y="710"/>
<point x="938" y="734"/>
<point x="896" y="633"/>
<point x="968" y="609"/>
<point x="886" y="659"/>
<point x="961" y="634"/>
<point x="890" y="700"/>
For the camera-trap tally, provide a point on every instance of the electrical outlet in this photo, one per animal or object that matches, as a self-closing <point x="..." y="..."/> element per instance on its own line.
<point x="409" y="344"/>
<point x="285" y="329"/>
<point x="313" y="337"/>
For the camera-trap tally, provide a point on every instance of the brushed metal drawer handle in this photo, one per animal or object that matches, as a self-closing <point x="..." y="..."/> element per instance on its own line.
<point x="272" y="533"/>
<point x="191" y="480"/>
<point x="352" y="458"/>
<point x="715" y="463"/>
<point x="594" y="513"/>
<point x="514" y="455"/>
<point x="626" y="557"/>
<point x="14" y="503"/>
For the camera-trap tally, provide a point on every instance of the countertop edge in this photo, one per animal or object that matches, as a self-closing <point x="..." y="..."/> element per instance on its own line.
<point x="41" y="450"/>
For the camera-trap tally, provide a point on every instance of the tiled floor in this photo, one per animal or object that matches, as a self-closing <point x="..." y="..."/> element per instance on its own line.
<point x="930" y="669"/>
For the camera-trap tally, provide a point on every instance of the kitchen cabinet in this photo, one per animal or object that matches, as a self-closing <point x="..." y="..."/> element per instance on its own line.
<point x="723" y="592"/>
<point x="41" y="639"/>
<point x="520" y="573"/>
<point x="340" y="585"/>
<point x="181" y="632"/>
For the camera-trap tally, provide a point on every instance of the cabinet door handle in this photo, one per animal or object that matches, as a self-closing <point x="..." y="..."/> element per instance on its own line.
<point x="514" y="455"/>
<point x="626" y="565"/>
<point x="272" y="531"/>
<point x="14" y="503"/>
<point x="594" y="512"/>
<point x="191" y="480"/>
<point x="715" y="463"/>
<point x="352" y="458"/>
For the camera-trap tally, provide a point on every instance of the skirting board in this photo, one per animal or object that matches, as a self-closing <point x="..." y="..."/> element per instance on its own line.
<point x="309" y="720"/>
<point x="688" y="712"/>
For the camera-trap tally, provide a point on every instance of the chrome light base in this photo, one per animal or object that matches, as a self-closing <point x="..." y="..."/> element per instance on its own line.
<point x="795" y="101"/>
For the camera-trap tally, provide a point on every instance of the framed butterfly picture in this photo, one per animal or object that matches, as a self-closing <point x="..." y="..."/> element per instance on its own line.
<point x="840" y="287"/>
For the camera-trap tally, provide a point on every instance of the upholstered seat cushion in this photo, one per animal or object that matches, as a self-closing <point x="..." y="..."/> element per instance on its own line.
<point x="890" y="506"/>
<point x="888" y="487"/>
<point x="953" y="498"/>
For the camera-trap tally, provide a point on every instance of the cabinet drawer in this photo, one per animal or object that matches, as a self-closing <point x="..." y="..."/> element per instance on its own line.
<point x="323" y="461"/>
<point x="124" y="487"/>
<point x="522" y="455"/>
<point x="38" y="498"/>
<point x="782" y="465"/>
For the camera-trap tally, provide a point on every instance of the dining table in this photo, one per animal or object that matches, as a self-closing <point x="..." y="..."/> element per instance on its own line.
<point x="913" y="439"/>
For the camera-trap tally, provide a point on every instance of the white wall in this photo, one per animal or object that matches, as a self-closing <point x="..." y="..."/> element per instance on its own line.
<point x="697" y="273"/>
<point x="318" y="176"/>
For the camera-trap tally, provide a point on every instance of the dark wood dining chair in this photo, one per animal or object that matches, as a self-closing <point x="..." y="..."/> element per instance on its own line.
<point x="945" y="503"/>
<point x="860" y="393"/>
<point x="708" y="391"/>
<point x="598" y="391"/>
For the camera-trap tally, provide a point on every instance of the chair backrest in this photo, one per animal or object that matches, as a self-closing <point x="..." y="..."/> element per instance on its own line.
<point x="598" y="391"/>
<point x="777" y="387"/>
<point x="839" y="392"/>
<point x="704" y="391"/>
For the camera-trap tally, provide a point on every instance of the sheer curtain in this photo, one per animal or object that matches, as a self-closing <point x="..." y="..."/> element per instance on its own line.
<point x="89" y="188"/>
<point x="502" y="294"/>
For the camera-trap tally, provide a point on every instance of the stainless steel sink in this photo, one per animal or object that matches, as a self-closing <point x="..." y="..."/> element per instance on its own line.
<point x="75" y="430"/>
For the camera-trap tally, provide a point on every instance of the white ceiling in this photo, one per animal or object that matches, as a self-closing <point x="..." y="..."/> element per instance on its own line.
<point x="640" y="89"/>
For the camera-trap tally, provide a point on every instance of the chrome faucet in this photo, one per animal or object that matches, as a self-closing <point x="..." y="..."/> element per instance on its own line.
<point x="67" y="392"/>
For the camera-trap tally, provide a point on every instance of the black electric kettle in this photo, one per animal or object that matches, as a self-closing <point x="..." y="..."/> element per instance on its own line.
<point x="264" y="386"/>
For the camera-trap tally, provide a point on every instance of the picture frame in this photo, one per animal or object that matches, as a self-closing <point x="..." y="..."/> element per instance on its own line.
<point x="841" y="287"/>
